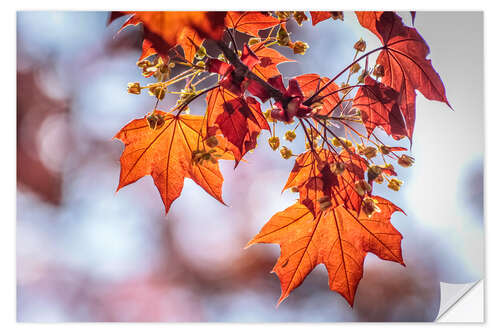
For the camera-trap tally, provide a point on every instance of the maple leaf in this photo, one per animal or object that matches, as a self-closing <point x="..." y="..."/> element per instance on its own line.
<point x="319" y="16"/>
<point x="405" y="63"/>
<point x="312" y="175"/>
<point x="233" y="79"/>
<point x="311" y="83"/>
<point x="338" y="238"/>
<point x="239" y="119"/>
<point x="250" y="22"/>
<point x="190" y="41"/>
<point x="166" y="153"/>
<point x="163" y="30"/>
<point x="379" y="107"/>
<point x="268" y="60"/>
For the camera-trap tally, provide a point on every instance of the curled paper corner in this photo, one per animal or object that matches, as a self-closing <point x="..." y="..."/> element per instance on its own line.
<point x="461" y="302"/>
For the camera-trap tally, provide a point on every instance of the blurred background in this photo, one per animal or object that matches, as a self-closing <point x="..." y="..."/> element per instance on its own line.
<point x="86" y="253"/>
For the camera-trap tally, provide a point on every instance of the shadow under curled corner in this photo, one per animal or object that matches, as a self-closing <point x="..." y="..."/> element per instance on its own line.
<point x="461" y="302"/>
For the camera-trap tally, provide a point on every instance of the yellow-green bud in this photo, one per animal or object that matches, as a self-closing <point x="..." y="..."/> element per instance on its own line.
<point x="355" y="68"/>
<point x="274" y="142"/>
<point x="201" y="52"/>
<point x="395" y="184"/>
<point x="299" y="17"/>
<point x="283" y="15"/>
<point x="253" y="41"/>
<point x="286" y="153"/>
<point x="282" y="37"/>
<point x="134" y="88"/>
<point x="158" y="91"/>
<point x="300" y="47"/>
<point x="290" y="135"/>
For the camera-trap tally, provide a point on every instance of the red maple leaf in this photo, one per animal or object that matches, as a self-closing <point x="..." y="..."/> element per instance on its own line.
<point x="379" y="107"/>
<point x="239" y="119"/>
<point x="235" y="80"/>
<point x="405" y="63"/>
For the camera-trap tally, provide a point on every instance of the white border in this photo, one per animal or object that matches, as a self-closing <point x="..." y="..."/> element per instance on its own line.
<point x="8" y="171"/>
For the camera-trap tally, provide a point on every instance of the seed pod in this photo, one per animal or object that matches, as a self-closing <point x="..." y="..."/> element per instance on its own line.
<point x="355" y="68"/>
<point x="373" y="172"/>
<point x="282" y="37"/>
<point x="282" y="15"/>
<point x="300" y="47"/>
<point x="369" y="206"/>
<point x="274" y="142"/>
<point x="369" y="152"/>
<point x="379" y="179"/>
<point x="378" y="71"/>
<point x="299" y="17"/>
<point x="290" y="135"/>
<point x="362" y="187"/>
<point x="395" y="184"/>
<point x="406" y="161"/>
<point x="157" y="91"/>
<point x="360" y="45"/>
<point x="361" y="77"/>
<point x="337" y="15"/>
<point x="285" y="152"/>
<point x="385" y="150"/>
<point x="134" y="88"/>
<point x="337" y="168"/>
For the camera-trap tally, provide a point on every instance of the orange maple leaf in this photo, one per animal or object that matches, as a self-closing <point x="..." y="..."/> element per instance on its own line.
<point x="250" y="22"/>
<point x="268" y="60"/>
<point x="318" y="16"/>
<point x="311" y="83"/>
<point x="190" y="41"/>
<point x="405" y="63"/>
<point x="166" y="153"/>
<point x="163" y="30"/>
<point x="338" y="238"/>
